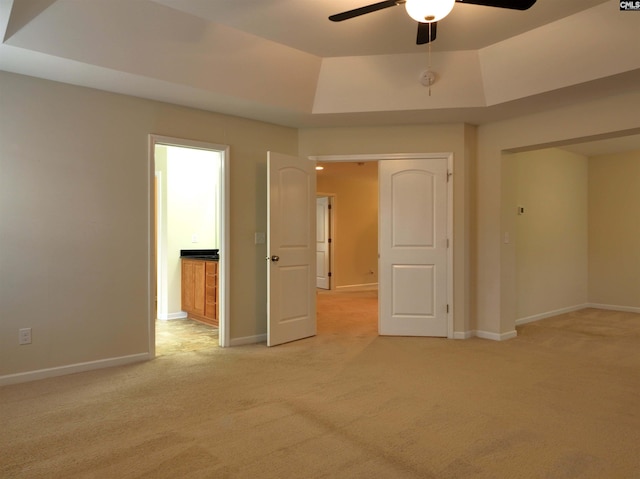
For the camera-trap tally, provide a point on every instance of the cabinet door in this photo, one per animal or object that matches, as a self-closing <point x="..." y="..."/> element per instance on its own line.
<point x="188" y="285"/>
<point x="198" y="286"/>
<point x="193" y="286"/>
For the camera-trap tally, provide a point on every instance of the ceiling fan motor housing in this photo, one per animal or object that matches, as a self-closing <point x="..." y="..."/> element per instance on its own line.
<point x="427" y="11"/>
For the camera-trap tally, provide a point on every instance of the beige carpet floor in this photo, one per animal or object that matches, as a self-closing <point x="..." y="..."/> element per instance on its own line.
<point x="560" y="401"/>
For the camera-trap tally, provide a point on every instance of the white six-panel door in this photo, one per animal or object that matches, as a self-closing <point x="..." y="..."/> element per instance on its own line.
<point x="413" y="231"/>
<point x="291" y="248"/>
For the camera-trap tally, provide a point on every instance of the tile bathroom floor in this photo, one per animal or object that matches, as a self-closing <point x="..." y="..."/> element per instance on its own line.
<point x="184" y="335"/>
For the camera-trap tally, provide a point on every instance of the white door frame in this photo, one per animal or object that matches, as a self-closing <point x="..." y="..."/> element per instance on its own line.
<point x="416" y="156"/>
<point x="224" y="215"/>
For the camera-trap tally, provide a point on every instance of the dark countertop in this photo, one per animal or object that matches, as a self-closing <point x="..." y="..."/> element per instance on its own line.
<point x="202" y="258"/>
<point x="201" y="254"/>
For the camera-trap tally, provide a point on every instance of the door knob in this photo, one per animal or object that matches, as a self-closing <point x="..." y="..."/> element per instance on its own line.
<point x="275" y="258"/>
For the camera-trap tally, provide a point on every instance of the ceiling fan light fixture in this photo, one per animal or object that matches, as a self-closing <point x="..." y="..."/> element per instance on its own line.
<point x="428" y="11"/>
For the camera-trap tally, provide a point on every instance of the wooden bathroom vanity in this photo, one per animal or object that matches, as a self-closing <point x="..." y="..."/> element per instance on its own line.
<point x="200" y="288"/>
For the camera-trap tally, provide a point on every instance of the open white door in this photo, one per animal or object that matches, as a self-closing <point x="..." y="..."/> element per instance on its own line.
<point x="291" y="243"/>
<point x="413" y="247"/>
<point x="323" y="238"/>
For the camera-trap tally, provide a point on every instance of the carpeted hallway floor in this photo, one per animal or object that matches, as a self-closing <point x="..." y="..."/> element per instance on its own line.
<point x="559" y="401"/>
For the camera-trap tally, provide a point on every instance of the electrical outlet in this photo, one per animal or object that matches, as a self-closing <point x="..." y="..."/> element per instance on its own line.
<point x="24" y="336"/>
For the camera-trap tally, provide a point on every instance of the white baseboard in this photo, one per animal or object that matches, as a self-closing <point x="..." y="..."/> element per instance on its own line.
<point x="496" y="336"/>
<point x="613" y="307"/>
<point x="179" y="315"/>
<point x="549" y="314"/>
<point x="258" y="338"/>
<point x="485" y="335"/>
<point x="577" y="307"/>
<point x="463" y="334"/>
<point x="71" y="369"/>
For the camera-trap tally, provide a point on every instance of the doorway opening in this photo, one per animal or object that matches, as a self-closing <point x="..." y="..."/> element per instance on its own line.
<point x="189" y="213"/>
<point x="347" y="229"/>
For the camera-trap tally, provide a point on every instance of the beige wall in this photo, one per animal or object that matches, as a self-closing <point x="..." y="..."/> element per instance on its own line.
<point x="551" y="236"/>
<point x="458" y="139"/>
<point x="354" y="188"/>
<point x="614" y="230"/>
<point x="75" y="202"/>
<point x="74" y="218"/>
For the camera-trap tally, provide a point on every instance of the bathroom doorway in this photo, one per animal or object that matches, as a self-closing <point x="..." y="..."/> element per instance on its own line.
<point x="190" y="212"/>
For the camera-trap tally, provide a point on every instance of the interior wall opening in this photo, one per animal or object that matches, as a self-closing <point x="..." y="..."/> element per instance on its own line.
<point x="565" y="205"/>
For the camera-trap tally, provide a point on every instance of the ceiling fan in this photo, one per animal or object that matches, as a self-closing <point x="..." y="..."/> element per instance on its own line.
<point x="428" y="12"/>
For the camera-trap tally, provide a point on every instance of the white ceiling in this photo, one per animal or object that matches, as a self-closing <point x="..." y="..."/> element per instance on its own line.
<point x="303" y="24"/>
<point x="284" y="62"/>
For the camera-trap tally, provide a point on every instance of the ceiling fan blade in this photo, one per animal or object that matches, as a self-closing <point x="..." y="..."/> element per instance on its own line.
<point x="356" y="12"/>
<point x="512" y="4"/>
<point x="423" y="32"/>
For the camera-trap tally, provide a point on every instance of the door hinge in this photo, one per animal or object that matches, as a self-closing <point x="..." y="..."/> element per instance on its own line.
<point x="329" y="274"/>
<point x="447" y="308"/>
<point x="329" y="240"/>
<point x="447" y="242"/>
<point x="449" y="174"/>
<point x="329" y="206"/>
